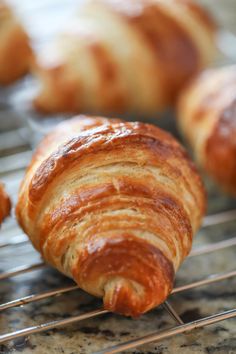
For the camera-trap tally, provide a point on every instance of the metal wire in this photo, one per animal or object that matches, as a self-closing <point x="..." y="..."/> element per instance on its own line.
<point x="157" y="336"/>
<point x="36" y="297"/>
<point x="210" y="220"/>
<point x="181" y="327"/>
<point x="219" y="218"/>
<point x="14" y="162"/>
<point x="167" y="306"/>
<point x="211" y="279"/>
<point x="14" y="241"/>
<point x="21" y="270"/>
<point x="195" y="252"/>
<point x="72" y="319"/>
<point x="54" y="324"/>
<point x="213" y="247"/>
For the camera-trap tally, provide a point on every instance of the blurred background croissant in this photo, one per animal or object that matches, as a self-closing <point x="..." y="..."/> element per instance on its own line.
<point x="124" y="56"/>
<point x="113" y="56"/>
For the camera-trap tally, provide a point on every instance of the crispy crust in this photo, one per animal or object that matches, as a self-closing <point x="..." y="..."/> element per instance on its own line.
<point x="115" y="208"/>
<point x="126" y="56"/>
<point x="15" y="50"/>
<point x="208" y="106"/>
<point x="5" y="204"/>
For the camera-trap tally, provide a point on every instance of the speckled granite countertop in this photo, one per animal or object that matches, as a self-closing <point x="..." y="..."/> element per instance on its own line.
<point x="92" y="335"/>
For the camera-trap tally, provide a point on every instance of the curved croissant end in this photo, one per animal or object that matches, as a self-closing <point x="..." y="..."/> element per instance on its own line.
<point x="15" y="50"/>
<point x="114" y="206"/>
<point x="5" y="204"/>
<point x="207" y="117"/>
<point x="125" y="56"/>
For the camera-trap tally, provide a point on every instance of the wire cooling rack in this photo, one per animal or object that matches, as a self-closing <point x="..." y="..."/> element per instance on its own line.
<point x="12" y="166"/>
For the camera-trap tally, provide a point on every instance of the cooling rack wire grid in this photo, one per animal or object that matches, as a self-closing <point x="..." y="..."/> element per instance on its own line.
<point x="18" y="162"/>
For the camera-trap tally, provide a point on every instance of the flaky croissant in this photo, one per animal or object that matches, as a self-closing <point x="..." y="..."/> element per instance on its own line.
<point x="15" y="51"/>
<point x="125" y="56"/>
<point x="5" y="204"/>
<point x="115" y="208"/>
<point x="207" y="117"/>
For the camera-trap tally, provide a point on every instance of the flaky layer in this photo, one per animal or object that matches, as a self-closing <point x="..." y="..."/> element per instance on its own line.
<point x="15" y="50"/>
<point x="5" y="204"/>
<point x="114" y="207"/>
<point x="125" y="56"/>
<point x="207" y="116"/>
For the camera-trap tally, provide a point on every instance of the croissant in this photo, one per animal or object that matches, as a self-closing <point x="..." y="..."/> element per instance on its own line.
<point x="207" y="117"/>
<point x="115" y="208"/>
<point x="5" y="204"/>
<point x="15" y="51"/>
<point x="124" y="56"/>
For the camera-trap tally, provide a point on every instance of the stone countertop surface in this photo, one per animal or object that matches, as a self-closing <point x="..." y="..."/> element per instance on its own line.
<point x="90" y="336"/>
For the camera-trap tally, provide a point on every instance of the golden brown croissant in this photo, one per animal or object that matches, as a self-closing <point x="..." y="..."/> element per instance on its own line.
<point x="115" y="208"/>
<point x="207" y="117"/>
<point x="5" y="204"/>
<point x="15" y="52"/>
<point x="125" y="56"/>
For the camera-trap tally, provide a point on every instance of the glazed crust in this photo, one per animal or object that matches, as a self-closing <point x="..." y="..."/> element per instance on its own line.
<point x="14" y="47"/>
<point x="115" y="207"/>
<point x="5" y="204"/>
<point x="126" y="56"/>
<point x="207" y="116"/>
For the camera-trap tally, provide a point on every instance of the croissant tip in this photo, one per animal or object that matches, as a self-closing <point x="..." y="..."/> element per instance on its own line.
<point x="124" y="297"/>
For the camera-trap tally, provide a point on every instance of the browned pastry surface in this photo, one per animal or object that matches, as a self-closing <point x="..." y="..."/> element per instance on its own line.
<point x="5" y="204"/>
<point x="113" y="205"/>
<point x="125" y="56"/>
<point x="15" y="52"/>
<point x="207" y="116"/>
